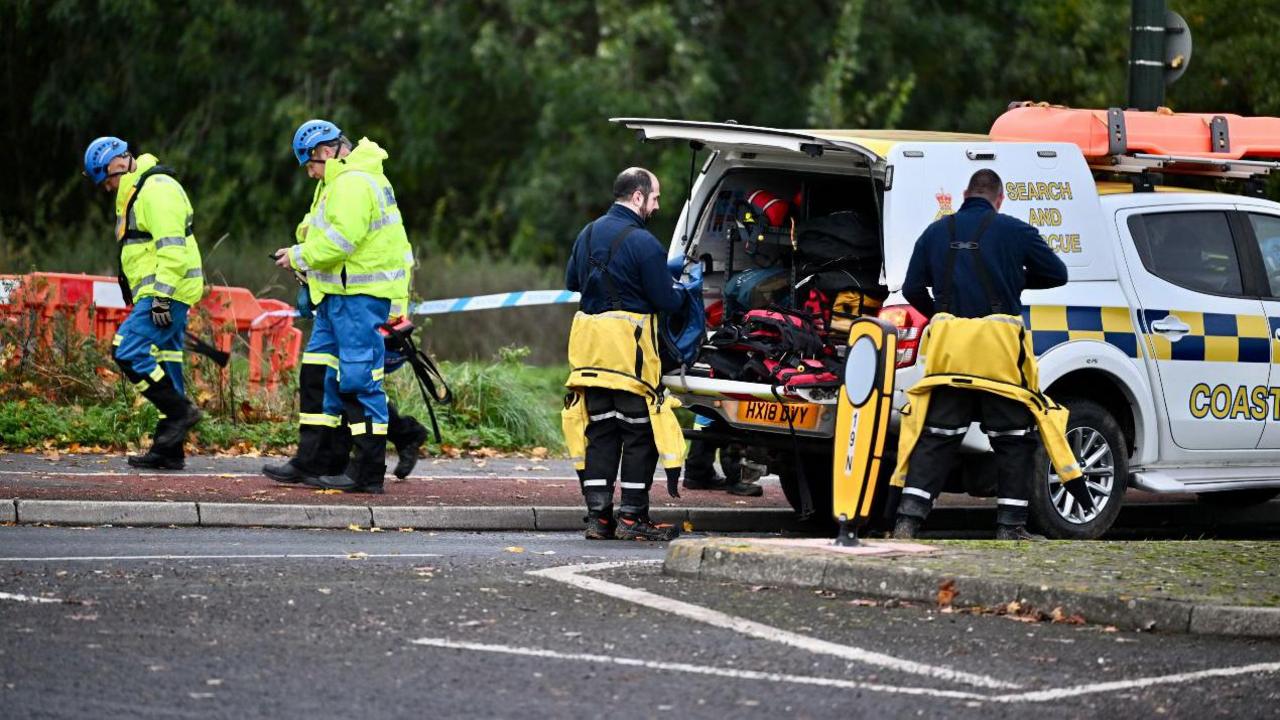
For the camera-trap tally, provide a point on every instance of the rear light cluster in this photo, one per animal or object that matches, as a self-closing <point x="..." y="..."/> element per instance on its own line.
<point x="910" y="324"/>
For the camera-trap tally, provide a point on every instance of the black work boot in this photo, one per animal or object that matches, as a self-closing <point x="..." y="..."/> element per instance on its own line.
<point x="408" y="435"/>
<point x="1016" y="532"/>
<point x="600" y="522"/>
<point x="601" y="527"/>
<point x="159" y="457"/>
<point x="315" y="443"/>
<point x="181" y="414"/>
<point x="286" y="473"/>
<point x="156" y="461"/>
<point x="714" y="481"/>
<point x="906" y="527"/>
<point x="642" y="528"/>
<point x="367" y="469"/>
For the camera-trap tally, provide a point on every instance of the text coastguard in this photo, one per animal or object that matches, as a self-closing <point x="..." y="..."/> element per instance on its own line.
<point x="324" y="442"/>
<point x="357" y="262"/>
<point x="616" y="406"/>
<point x="161" y="276"/>
<point x="978" y="360"/>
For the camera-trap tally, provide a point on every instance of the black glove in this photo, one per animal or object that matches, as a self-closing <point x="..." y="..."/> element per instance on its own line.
<point x="160" y="314"/>
<point x="1080" y="492"/>
<point x="673" y="482"/>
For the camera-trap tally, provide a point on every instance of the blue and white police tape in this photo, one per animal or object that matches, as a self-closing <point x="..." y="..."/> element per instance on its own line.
<point x="519" y="298"/>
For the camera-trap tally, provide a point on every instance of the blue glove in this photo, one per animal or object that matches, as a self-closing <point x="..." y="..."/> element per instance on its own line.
<point x="675" y="265"/>
<point x="305" y="308"/>
<point x="694" y="284"/>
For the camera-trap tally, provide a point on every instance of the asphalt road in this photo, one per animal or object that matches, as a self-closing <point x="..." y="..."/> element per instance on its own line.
<point x="183" y="622"/>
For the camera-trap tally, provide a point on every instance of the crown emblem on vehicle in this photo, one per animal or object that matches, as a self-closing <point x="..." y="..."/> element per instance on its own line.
<point x="944" y="204"/>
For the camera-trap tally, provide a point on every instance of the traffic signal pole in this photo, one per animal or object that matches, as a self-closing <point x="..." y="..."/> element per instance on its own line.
<point x="1146" y="54"/>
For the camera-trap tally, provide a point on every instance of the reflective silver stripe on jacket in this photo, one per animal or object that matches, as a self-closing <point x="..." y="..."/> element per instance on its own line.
<point x="387" y="275"/>
<point x="298" y="262"/>
<point x="165" y="289"/>
<point x="325" y="277"/>
<point x="933" y="430"/>
<point x="194" y="273"/>
<point x="168" y="241"/>
<point x="332" y="233"/>
<point x="144" y="282"/>
<point x="1012" y="433"/>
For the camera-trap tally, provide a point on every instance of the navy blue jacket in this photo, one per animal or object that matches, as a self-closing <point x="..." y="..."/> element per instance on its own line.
<point x="1015" y="255"/>
<point x="638" y="268"/>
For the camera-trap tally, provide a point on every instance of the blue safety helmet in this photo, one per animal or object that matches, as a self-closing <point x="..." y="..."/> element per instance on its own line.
<point x="99" y="153"/>
<point x="310" y="134"/>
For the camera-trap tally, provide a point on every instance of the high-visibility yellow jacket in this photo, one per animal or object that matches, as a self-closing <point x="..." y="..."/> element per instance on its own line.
<point x="158" y="251"/>
<point x="991" y="354"/>
<point x="618" y="350"/>
<point x="352" y="241"/>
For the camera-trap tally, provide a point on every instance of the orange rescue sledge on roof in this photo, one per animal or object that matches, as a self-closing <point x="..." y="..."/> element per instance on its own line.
<point x="1102" y="133"/>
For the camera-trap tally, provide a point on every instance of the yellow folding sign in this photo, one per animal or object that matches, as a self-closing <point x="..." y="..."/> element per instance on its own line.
<point x="862" y="422"/>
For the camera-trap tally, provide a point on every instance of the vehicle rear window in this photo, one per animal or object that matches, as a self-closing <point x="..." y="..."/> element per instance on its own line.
<point x="1193" y="250"/>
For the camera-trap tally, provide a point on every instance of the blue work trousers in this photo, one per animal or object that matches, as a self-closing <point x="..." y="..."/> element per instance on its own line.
<point x="345" y="338"/>
<point x="149" y="353"/>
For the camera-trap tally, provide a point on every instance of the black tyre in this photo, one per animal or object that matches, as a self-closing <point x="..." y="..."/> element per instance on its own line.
<point x="817" y="473"/>
<point x="1100" y="447"/>
<point x="1238" y="498"/>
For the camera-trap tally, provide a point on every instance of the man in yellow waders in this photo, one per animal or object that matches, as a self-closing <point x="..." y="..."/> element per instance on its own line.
<point x="616" y="412"/>
<point x="978" y="360"/>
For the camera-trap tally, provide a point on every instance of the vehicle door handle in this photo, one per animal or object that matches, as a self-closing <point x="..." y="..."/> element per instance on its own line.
<point x="1171" y="325"/>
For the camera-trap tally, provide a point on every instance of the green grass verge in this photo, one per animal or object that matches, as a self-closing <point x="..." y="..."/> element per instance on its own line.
<point x="504" y="405"/>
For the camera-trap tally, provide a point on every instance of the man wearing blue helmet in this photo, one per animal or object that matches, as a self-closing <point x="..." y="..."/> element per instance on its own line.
<point x="161" y="276"/>
<point x="356" y="257"/>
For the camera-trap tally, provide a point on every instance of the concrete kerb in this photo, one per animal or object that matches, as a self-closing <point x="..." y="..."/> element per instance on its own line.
<point x="738" y="562"/>
<point x="293" y="516"/>
<point x="98" y="512"/>
<point x="220" y="514"/>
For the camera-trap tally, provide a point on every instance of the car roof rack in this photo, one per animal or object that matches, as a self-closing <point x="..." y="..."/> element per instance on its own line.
<point x="1185" y="165"/>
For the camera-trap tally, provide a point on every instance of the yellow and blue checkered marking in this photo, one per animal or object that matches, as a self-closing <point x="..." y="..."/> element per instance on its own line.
<point x="1052" y="325"/>
<point x="1213" y="337"/>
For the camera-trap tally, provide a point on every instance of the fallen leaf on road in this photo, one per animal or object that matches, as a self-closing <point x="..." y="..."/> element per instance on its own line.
<point x="52" y="456"/>
<point x="406" y="529"/>
<point x="546" y="552"/>
<point x="759" y="588"/>
<point x="687" y="525"/>
<point x="521" y="468"/>
<point x="324" y="591"/>
<point x="859" y="602"/>
<point x="947" y="593"/>
<point x="1059" y="616"/>
<point x="539" y="452"/>
<point x="355" y="528"/>
<point x="357" y="556"/>
<point x="327" y="492"/>
<point x="376" y="529"/>
<point x="514" y="549"/>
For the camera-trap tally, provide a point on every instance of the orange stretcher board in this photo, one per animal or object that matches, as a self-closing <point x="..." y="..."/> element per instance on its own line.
<point x="1099" y="133"/>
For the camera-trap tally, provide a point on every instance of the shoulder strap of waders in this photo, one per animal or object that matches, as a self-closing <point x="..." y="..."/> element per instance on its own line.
<point x="948" y="274"/>
<point x="615" y="301"/>
<point x="133" y="233"/>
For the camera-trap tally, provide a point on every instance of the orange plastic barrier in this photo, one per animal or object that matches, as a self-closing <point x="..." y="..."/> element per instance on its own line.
<point x="95" y="306"/>
<point x="1099" y="133"/>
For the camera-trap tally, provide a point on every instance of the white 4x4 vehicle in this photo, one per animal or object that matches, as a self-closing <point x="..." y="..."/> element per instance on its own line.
<point x="1164" y="343"/>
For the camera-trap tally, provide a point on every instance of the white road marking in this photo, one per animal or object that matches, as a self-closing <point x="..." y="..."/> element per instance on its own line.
<point x="1038" y="696"/>
<point x="18" y="597"/>
<point x="1067" y="692"/>
<point x="354" y="555"/>
<point x="571" y="575"/>
<point x="698" y="669"/>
